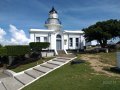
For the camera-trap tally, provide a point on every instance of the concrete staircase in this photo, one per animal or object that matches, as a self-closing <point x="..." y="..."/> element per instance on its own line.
<point x="60" y="52"/>
<point x="10" y="83"/>
<point x="22" y="79"/>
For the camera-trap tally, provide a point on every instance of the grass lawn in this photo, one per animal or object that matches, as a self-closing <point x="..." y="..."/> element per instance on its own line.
<point x="108" y="58"/>
<point x="29" y="65"/>
<point x="75" y="77"/>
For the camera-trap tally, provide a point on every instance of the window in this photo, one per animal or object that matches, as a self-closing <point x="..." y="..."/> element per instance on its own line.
<point x="37" y="39"/>
<point x="58" y="36"/>
<point x="45" y="39"/>
<point x="71" y="42"/>
<point x="77" y="42"/>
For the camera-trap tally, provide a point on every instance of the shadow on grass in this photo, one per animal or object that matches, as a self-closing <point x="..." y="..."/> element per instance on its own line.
<point x="28" y="61"/>
<point x="77" y="61"/>
<point x="112" y="69"/>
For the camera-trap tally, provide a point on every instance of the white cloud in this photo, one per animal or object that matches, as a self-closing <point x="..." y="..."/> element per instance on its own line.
<point x="2" y="33"/>
<point x="16" y="36"/>
<point x="2" y="36"/>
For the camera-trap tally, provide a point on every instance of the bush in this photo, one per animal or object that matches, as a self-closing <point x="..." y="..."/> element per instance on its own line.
<point x="112" y="47"/>
<point x="39" y="45"/>
<point x="14" y="50"/>
<point x="37" y="48"/>
<point x="1" y="46"/>
<point x="3" y="51"/>
<point x="118" y="46"/>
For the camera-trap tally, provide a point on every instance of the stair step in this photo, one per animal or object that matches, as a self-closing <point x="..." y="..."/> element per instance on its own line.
<point x="34" y="73"/>
<point x="64" y="58"/>
<point x="24" y="78"/>
<point x="42" y="69"/>
<point x="49" y="65"/>
<point x="11" y="83"/>
<point x="60" y="60"/>
<point x="2" y="87"/>
<point x="55" y="62"/>
<point x="61" y="52"/>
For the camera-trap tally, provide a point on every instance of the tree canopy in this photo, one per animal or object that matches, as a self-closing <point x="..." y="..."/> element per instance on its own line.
<point x="103" y="31"/>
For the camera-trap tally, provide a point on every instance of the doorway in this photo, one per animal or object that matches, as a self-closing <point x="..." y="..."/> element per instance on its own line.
<point x="58" y="42"/>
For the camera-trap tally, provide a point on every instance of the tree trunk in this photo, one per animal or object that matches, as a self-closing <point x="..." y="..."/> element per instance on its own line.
<point x="40" y="54"/>
<point x="103" y="43"/>
<point x="10" y="60"/>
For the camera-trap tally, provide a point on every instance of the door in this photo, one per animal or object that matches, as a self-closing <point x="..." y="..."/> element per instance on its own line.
<point x="58" y="42"/>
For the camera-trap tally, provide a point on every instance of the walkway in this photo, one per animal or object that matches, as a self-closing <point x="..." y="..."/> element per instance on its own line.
<point x="22" y="79"/>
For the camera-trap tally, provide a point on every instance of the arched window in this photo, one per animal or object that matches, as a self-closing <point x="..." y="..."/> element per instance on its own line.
<point x="58" y="36"/>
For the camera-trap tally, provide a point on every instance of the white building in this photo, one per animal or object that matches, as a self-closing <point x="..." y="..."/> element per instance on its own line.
<point x="59" y="39"/>
<point x="92" y="43"/>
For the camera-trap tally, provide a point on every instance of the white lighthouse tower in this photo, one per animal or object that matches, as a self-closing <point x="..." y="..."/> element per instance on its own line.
<point x="53" y="22"/>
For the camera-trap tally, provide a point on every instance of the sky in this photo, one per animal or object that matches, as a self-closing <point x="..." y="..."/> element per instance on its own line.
<point x="18" y="16"/>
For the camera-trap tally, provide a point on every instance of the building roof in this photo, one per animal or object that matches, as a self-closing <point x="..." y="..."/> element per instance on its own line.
<point x="53" y="10"/>
<point x="65" y="31"/>
<point x="73" y="31"/>
<point x="41" y="30"/>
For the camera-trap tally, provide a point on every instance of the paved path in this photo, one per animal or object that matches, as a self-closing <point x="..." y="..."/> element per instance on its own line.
<point x="22" y="79"/>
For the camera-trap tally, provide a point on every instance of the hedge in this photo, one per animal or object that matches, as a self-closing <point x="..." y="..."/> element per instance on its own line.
<point x="3" y="51"/>
<point x="39" y="45"/>
<point x="14" y="50"/>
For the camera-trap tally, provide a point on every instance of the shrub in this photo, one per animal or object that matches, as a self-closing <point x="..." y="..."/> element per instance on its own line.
<point x="3" y="51"/>
<point x="112" y="47"/>
<point x="15" y="50"/>
<point x="39" y="45"/>
<point x="1" y="46"/>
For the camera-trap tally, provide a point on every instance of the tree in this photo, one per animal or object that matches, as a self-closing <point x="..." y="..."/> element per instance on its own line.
<point x="103" y="31"/>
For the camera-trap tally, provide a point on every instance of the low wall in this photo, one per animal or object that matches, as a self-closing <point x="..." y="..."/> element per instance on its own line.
<point x="48" y="54"/>
<point x="9" y="72"/>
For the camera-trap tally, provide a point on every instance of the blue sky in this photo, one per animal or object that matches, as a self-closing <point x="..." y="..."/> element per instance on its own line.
<point x="74" y="14"/>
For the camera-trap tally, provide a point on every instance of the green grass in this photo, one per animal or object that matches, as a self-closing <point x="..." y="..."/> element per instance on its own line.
<point x="108" y="58"/>
<point x="29" y="65"/>
<point x="75" y="77"/>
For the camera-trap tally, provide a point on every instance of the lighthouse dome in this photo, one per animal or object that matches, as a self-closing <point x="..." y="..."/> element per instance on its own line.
<point x="53" y="21"/>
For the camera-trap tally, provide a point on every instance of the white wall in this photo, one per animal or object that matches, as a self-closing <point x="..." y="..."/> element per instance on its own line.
<point x="52" y="39"/>
<point x="65" y="38"/>
<point x="82" y="42"/>
<point x="31" y="37"/>
<point x="94" y="42"/>
<point x="74" y="36"/>
<point x="41" y="35"/>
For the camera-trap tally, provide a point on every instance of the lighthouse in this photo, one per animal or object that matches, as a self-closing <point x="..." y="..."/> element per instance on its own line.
<point x="53" y="22"/>
<point x="58" y="38"/>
